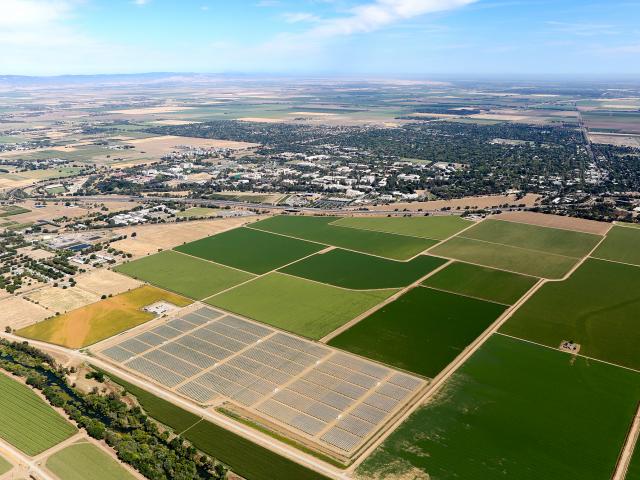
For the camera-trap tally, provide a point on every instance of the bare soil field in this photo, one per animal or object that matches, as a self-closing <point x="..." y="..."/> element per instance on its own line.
<point x="37" y="254"/>
<point x="150" y="110"/>
<point x="150" y="239"/>
<point x="486" y="201"/>
<point x="555" y="221"/>
<point x="260" y="119"/>
<point x="157" y="146"/>
<point x="172" y="122"/>
<point x="16" y="312"/>
<point x="106" y="282"/>
<point x="616" y="139"/>
<point x="59" y="300"/>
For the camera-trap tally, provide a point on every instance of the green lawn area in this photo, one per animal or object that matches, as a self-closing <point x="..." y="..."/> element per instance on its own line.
<point x="621" y="245"/>
<point x="319" y="229"/>
<point x="348" y="269"/>
<point x="435" y="228"/>
<point x="250" y="250"/>
<point x="532" y="237"/>
<point x="85" y="460"/>
<point x="55" y="190"/>
<point x="514" y="259"/>
<point x="245" y="458"/>
<point x="183" y="274"/>
<point x="4" y="466"/>
<point x="482" y="282"/>
<point x="27" y="422"/>
<point x="596" y="307"/>
<point x="422" y="331"/>
<point x="300" y="306"/>
<point x="515" y="411"/>
<point x="198" y="212"/>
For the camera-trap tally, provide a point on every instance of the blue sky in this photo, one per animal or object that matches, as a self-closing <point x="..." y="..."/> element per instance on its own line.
<point x="391" y="38"/>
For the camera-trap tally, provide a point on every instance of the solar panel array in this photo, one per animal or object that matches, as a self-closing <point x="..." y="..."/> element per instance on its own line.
<point x="313" y="389"/>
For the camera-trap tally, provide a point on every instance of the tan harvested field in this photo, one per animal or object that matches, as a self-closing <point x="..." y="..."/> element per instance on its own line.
<point x="555" y="221"/>
<point x="150" y="110"/>
<point x="59" y="300"/>
<point x="37" y="254"/>
<point x="260" y="119"/>
<point x="619" y="140"/>
<point x="486" y="201"/>
<point x="150" y="239"/>
<point x="173" y="122"/>
<point x="16" y="312"/>
<point x="106" y="282"/>
<point x="158" y="146"/>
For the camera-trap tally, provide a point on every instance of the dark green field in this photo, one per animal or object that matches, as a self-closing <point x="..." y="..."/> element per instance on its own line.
<point x="597" y="307"/>
<point x="435" y="228"/>
<point x="532" y="237"/>
<point x="183" y="274"/>
<point x="422" y="331"/>
<point x="634" y="467"/>
<point x="348" y="269"/>
<point x="244" y="457"/>
<point x="621" y="245"/>
<point x="482" y="282"/>
<point x="250" y="250"/>
<point x="318" y="229"/>
<point x="515" y="411"/>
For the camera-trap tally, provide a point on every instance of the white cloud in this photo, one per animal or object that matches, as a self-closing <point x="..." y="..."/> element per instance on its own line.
<point x="300" y="17"/>
<point x="141" y="2"/>
<point x="16" y="14"/>
<point x="584" y="29"/>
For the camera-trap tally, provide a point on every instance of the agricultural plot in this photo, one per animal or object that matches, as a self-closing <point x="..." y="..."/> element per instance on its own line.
<point x="97" y="321"/>
<point x="320" y="229"/>
<point x="198" y="212"/>
<point x="481" y="282"/>
<point x="334" y="399"/>
<point x="4" y="466"/>
<point x="434" y="228"/>
<point x="9" y="210"/>
<point x="27" y="422"/>
<point x="622" y="244"/>
<point x="508" y="412"/>
<point x="422" y="331"/>
<point x="634" y="467"/>
<point x="297" y="305"/>
<point x="85" y="460"/>
<point x="348" y="269"/>
<point x="183" y="274"/>
<point x="250" y="250"/>
<point x="597" y="307"/>
<point x="528" y="249"/>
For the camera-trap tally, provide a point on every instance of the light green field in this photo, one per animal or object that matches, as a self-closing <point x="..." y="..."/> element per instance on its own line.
<point x="514" y="259"/>
<point x="621" y="245"/>
<point x="198" y="212"/>
<point x="515" y="411"/>
<point x="9" y="210"/>
<point x="436" y="228"/>
<point x="27" y="422"/>
<point x="596" y="307"/>
<point x="320" y="229"/>
<point x="183" y="274"/>
<point x="4" y="466"/>
<point x="85" y="460"/>
<point x="55" y="190"/>
<point x="532" y="237"/>
<point x="300" y="306"/>
<point x="481" y="282"/>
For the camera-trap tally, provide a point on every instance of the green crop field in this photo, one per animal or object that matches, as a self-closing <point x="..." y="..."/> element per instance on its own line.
<point x="300" y="306"/>
<point x="422" y="331"/>
<point x="621" y="245"/>
<point x="250" y="250"/>
<point x="198" y="212"/>
<point x="515" y="411"/>
<point x="4" y="466"/>
<point x="27" y="422"/>
<point x="183" y="274"/>
<point x="85" y="460"/>
<point x="348" y="269"/>
<point x="520" y="260"/>
<point x="10" y="210"/>
<point x="532" y="237"/>
<point x="596" y="307"/>
<point x="482" y="282"/>
<point x="634" y="467"/>
<point x="435" y="228"/>
<point x="245" y="458"/>
<point x="319" y="229"/>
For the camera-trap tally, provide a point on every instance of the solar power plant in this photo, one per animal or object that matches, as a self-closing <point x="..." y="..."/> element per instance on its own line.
<point x="336" y="399"/>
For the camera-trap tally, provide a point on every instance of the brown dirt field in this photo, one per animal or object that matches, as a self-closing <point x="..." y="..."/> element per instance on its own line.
<point x="157" y="146"/>
<point x="556" y="221"/>
<point x="37" y="254"/>
<point x="616" y="139"/>
<point x="106" y="282"/>
<point x="16" y="312"/>
<point x="153" y="237"/>
<point x="62" y="300"/>
<point x="471" y="202"/>
<point x="48" y="212"/>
